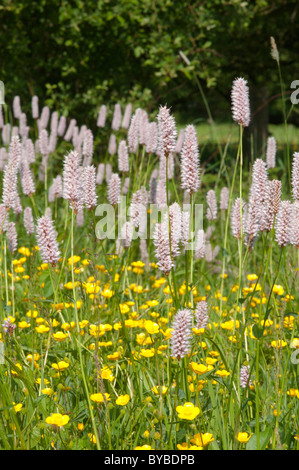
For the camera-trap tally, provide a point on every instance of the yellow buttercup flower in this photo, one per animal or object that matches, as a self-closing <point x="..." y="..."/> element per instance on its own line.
<point x="75" y="260"/>
<point x="243" y="437"/>
<point x="57" y="419"/>
<point x="60" y="366"/>
<point x="107" y="293"/>
<point x="48" y="391"/>
<point x="35" y="357"/>
<point x="24" y="251"/>
<point x="202" y="440"/>
<point x="145" y="447"/>
<point x="200" y="368"/>
<point x="122" y="400"/>
<point x="23" y="324"/>
<point x="99" y="398"/>
<point x="277" y="289"/>
<point x="113" y="357"/>
<point x="158" y="390"/>
<point x="42" y="329"/>
<point x="17" y="407"/>
<point x="187" y="411"/>
<point x="124" y="308"/>
<point x="151" y="327"/>
<point x="222" y="373"/>
<point x="60" y="336"/>
<point x="107" y="374"/>
<point x="279" y="344"/>
<point x="147" y="352"/>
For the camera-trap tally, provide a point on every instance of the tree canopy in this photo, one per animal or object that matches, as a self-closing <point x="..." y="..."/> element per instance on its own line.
<point x="76" y="55"/>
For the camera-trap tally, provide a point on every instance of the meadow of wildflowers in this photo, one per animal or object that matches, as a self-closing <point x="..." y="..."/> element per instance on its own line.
<point x="147" y="331"/>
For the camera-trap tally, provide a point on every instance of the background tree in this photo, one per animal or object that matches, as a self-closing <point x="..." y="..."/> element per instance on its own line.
<point x="76" y="55"/>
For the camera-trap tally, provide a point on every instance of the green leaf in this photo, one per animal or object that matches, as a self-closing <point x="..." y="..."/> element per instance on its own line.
<point x="265" y="437"/>
<point x="48" y="289"/>
<point x="257" y="332"/>
<point x="35" y="436"/>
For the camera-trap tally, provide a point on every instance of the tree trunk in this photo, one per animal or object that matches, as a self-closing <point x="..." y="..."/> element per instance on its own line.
<point x="255" y="138"/>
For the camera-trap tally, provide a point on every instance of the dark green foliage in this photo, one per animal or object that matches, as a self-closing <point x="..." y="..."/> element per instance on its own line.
<point x="76" y="55"/>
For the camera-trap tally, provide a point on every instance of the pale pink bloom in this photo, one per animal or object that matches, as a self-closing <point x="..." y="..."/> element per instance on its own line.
<point x="90" y="196"/>
<point x="200" y="246"/>
<point x="80" y="218"/>
<point x="3" y="218"/>
<point x="295" y="176"/>
<point x="12" y="237"/>
<point x="126" y="186"/>
<point x="116" y="120"/>
<point x="161" y="194"/>
<point x="144" y="256"/>
<point x="3" y="158"/>
<point x="201" y="314"/>
<point x="283" y="224"/>
<point x="102" y="116"/>
<point x="87" y="147"/>
<point x="112" y="148"/>
<point x="58" y="187"/>
<point x="181" y="335"/>
<point x="61" y="126"/>
<point x="123" y="157"/>
<point x="6" y="132"/>
<point x="34" y="107"/>
<point x="100" y="173"/>
<point x="44" y="143"/>
<point x="138" y="209"/>
<point x="151" y="138"/>
<point x="44" y="118"/>
<point x="153" y="186"/>
<point x="224" y="197"/>
<point x="10" y="197"/>
<point x="244" y="377"/>
<point x="162" y="252"/>
<point x="175" y="220"/>
<point x="127" y="116"/>
<point x="16" y="106"/>
<point x="114" y="189"/>
<point x="166" y="132"/>
<point x="72" y="184"/>
<point x="108" y="172"/>
<point x="274" y="194"/>
<point x="271" y="152"/>
<point x="27" y="181"/>
<point x="295" y="224"/>
<point x="143" y="125"/>
<point x="208" y="252"/>
<point x="240" y="102"/>
<point x="23" y="124"/>
<point x="30" y="151"/>
<point x="70" y="130"/>
<point x="251" y="221"/>
<point x="54" y="122"/>
<point x="185" y="229"/>
<point x="126" y="234"/>
<point x="274" y="51"/>
<point x="190" y="161"/>
<point x="46" y="240"/>
<point x="133" y="131"/>
<point x="259" y="190"/>
<point x="211" y="205"/>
